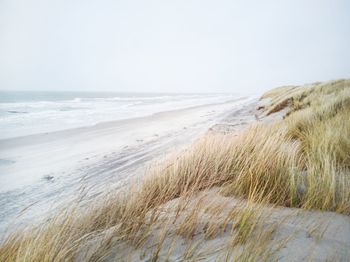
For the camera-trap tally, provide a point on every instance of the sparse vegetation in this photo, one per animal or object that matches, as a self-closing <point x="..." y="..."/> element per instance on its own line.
<point x="301" y="161"/>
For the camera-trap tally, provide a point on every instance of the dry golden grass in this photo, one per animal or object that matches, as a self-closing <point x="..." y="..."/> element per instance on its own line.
<point x="321" y="124"/>
<point x="299" y="97"/>
<point x="212" y="161"/>
<point x="264" y="165"/>
<point x="278" y="91"/>
<point x="301" y="161"/>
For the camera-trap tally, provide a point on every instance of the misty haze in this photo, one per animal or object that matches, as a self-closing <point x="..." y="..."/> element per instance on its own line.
<point x="174" y="130"/>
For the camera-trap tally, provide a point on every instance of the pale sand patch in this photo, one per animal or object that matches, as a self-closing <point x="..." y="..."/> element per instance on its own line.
<point x="290" y="234"/>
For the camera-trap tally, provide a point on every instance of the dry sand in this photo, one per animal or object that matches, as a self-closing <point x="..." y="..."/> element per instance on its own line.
<point x="299" y="235"/>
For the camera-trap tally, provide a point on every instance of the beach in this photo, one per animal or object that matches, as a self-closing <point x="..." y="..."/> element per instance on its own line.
<point x="43" y="171"/>
<point x="173" y="131"/>
<point x="239" y="180"/>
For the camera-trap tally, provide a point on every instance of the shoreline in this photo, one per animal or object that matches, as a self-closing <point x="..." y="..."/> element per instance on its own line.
<point x="143" y="113"/>
<point x="97" y="157"/>
<point x="107" y="124"/>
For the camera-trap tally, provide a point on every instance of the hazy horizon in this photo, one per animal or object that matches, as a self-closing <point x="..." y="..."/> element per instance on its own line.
<point x="171" y="47"/>
<point x="112" y="91"/>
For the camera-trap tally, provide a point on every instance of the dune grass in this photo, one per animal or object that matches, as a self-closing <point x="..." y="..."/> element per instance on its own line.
<point x="321" y="124"/>
<point x="301" y="161"/>
<point x="213" y="161"/>
<point x="300" y="97"/>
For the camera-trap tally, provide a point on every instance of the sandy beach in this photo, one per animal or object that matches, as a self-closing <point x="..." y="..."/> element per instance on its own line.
<point x="222" y="181"/>
<point x="41" y="172"/>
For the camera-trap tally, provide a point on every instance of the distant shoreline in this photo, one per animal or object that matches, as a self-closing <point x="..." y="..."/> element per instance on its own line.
<point x="110" y="123"/>
<point x="109" y="151"/>
<point x="29" y="116"/>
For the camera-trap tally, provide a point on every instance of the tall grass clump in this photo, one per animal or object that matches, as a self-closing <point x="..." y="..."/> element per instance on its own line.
<point x="265" y="165"/>
<point x="320" y="122"/>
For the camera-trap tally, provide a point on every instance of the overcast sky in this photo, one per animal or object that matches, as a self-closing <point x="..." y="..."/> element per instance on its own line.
<point x="171" y="46"/>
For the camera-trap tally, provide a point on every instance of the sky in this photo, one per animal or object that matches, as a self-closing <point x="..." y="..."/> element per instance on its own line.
<point x="228" y="46"/>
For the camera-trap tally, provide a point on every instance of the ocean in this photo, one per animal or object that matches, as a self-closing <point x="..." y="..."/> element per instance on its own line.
<point x="32" y="112"/>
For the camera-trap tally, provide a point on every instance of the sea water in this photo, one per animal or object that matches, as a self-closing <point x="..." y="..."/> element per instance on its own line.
<point x="31" y="112"/>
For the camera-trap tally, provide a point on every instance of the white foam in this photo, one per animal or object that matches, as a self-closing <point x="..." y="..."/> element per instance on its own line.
<point x="27" y="118"/>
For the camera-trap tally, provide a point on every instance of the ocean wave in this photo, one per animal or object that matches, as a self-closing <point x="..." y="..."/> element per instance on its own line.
<point x="134" y="98"/>
<point x="17" y="112"/>
<point x="24" y="118"/>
